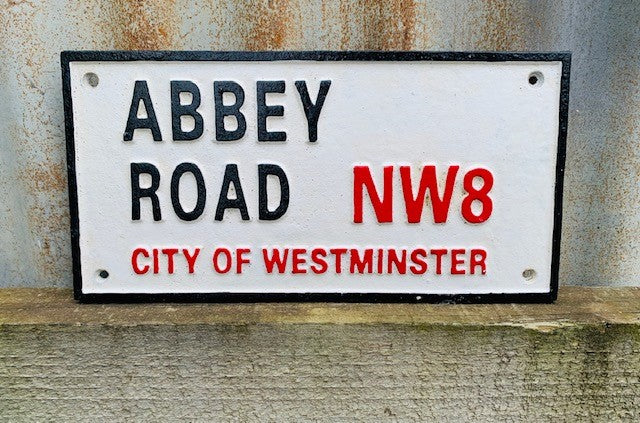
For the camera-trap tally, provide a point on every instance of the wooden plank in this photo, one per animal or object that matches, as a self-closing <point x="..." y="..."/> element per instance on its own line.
<point x="577" y="360"/>
<point x="575" y="305"/>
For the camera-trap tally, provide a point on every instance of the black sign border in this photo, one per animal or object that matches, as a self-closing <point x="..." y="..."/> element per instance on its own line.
<point x="230" y="297"/>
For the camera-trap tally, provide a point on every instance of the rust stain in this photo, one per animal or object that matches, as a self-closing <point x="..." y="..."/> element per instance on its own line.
<point x="408" y="18"/>
<point x="35" y="138"/>
<point x="143" y="25"/>
<point x="45" y="177"/>
<point x="270" y="25"/>
<point x="378" y="24"/>
<point x="619" y="163"/>
<point x="502" y="26"/>
<point x="18" y="3"/>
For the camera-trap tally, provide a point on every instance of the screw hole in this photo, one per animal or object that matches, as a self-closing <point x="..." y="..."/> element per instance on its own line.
<point x="535" y="79"/>
<point x="91" y="79"/>
<point x="103" y="274"/>
<point x="529" y="274"/>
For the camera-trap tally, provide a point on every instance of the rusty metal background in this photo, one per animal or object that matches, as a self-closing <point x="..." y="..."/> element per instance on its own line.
<point x="601" y="233"/>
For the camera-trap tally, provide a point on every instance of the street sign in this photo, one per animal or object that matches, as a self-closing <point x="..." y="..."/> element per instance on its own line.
<point x="315" y="176"/>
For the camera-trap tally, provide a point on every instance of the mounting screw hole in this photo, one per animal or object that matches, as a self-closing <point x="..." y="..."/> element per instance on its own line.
<point x="103" y="274"/>
<point x="91" y="79"/>
<point x="529" y="274"/>
<point x="536" y="79"/>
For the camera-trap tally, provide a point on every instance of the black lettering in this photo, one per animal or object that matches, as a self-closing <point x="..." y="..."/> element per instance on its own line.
<point x="137" y="193"/>
<point x="180" y="170"/>
<point x="224" y="202"/>
<point x="265" y="170"/>
<point x="264" y="111"/>
<point x="178" y="110"/>
<point x="219" y="88"/>
<point x="312" y="111"/>
<point x="141" y="93"/>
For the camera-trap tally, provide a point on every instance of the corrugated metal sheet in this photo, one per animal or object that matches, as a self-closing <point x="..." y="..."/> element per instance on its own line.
<point x="601" y="234"/>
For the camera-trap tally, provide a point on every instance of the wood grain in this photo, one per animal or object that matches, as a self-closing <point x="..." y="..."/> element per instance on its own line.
<point x="577" y="360"/>
<point x="575" y="305"/>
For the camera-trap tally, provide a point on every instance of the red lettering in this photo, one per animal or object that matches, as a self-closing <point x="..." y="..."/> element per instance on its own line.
<point x="134" y="261"/>
<point x="240" y="260"/>
<point x="360" y="264"/>
<point x="455" y="270"/>
<point x="399" y="262"/>
<point x="156" y="265"/>
<point x="478" y="257"/>
<point x="438" y="253"/>
<point x="317" y="256"/>
<point x="191" y="259"/>
<point x="298" y="261"/>
<point x="338" y="252"/>
<point x="382" y="208"/>
<point x="419" y="264"/>
<point x="169" y="252"/>
<point x="428" y="180"/>
<point x="228" y="260"/>
<point x="380" y="260"/>
<point x="275" y="259"/>
<point x="477" y="195"/>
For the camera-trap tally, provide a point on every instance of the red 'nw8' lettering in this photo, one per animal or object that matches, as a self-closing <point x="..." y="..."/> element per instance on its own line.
<point x="414" y="202"/>
<point x="428" y="180"/>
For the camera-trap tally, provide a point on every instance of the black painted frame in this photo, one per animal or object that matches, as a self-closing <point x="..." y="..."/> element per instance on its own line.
<point x="88" y="56"/>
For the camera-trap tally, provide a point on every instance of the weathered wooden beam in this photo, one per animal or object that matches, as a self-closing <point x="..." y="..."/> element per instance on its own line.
<point x="577" y="360"/>
<point x="575" y="306"/>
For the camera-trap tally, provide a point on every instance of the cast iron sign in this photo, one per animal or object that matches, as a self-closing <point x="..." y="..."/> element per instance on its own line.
<point x="322" y="176"/>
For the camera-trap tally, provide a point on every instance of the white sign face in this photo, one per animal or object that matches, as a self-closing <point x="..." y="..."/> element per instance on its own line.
<point x="315" y="176"/>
